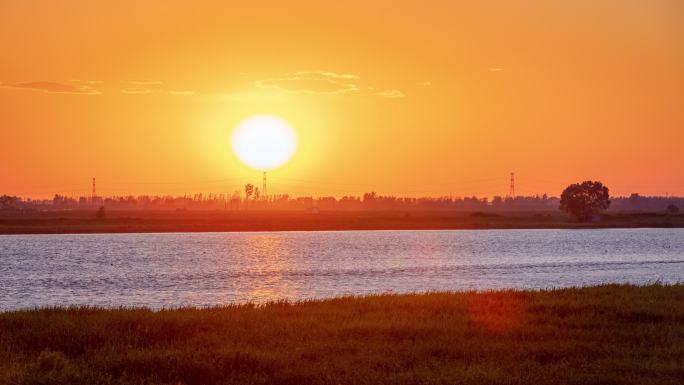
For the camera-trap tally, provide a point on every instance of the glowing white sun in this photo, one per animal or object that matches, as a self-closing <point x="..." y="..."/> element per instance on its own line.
<point x="264" y="142"/>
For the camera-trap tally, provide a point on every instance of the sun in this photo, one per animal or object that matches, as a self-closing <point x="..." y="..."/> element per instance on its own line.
<point x="264" y="142"/>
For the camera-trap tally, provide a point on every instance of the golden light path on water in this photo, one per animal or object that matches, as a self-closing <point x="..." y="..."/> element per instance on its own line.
<point x="268" y="256"/>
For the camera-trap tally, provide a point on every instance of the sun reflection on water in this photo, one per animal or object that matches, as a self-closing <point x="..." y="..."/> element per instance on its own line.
<point x="269" y="256"/>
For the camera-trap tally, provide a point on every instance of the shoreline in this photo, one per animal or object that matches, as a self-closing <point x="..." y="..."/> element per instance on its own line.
<point x="255" y="305"/>
<point x="152" y="231"/>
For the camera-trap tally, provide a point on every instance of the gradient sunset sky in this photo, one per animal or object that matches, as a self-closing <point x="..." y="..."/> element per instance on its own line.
<point x="407" y="98"/>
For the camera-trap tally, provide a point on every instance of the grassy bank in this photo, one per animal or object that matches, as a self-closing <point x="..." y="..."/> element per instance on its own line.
<point x="598" y="335"/>
<point x="61" y="222"/>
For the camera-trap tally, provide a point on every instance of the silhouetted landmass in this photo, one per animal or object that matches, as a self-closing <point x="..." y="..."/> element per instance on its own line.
<point x="611" y="334"/>
<point x="201" y="213"/>
<point x="140" y="221"/>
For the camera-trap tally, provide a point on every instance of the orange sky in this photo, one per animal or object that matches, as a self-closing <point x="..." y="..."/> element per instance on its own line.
<point x="400" y="97"/>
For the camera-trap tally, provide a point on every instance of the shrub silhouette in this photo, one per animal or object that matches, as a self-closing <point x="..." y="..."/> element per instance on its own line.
<point x="100" y="213"/>
<point x="672" y="209"/>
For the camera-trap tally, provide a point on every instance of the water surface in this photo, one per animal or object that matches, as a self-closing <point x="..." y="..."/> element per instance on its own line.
<point x="202" y="269"/>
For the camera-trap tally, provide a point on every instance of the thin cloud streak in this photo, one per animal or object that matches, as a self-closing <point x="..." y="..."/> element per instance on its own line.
<point x="392" y="94"/>
<point x="136" y="91"/>
<point x="313" y="82"/>
<point x="145" y="82"/>
<point x="53" y="87"/>
<point x="323" y="82"/>
<point x="89" y="82"/>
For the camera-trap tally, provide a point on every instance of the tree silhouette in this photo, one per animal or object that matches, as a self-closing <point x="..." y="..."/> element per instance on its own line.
<point x="584" y="200"/>
<point x="249" y="190"/>
<point x="9" y="202"/>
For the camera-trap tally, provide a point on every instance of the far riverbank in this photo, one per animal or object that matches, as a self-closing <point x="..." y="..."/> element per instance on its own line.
<point x="84" y="221"/>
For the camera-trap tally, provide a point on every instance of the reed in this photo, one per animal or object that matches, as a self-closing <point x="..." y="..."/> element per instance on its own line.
<point x="611" y="334"/>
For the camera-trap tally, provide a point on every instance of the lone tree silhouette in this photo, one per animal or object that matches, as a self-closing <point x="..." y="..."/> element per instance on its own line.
<point x="584" y="200"/>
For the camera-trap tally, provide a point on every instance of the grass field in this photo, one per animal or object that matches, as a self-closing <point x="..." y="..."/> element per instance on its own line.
<point x="142" y="221"/>
<point x="598" y="335"/>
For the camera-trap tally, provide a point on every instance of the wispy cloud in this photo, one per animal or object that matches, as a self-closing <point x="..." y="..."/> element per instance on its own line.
<point x="136" y="91"/>
<point x="325" y="82"/>
<point x="145" y="82"/>
<point x="327" y="74"/>
<point x="496" y="69"/>
<point x="391" y="94"/>
<point x="299" y="84"/>
<point x="53" y="87"/>
<point x="251" y="95"/>
<point x="179" y="92"/>
<point x="89" y="82"/>
<point x="425" y="84"/>
<point x="315" y="82"/>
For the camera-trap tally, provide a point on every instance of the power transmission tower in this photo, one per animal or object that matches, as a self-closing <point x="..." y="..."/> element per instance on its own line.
<point x="511" y="191"/>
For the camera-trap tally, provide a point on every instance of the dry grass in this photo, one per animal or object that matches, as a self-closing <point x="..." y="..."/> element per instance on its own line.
<point x="599" y="335"/>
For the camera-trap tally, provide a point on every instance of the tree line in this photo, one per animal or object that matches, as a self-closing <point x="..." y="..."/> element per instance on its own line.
<point x="582" y="200"/>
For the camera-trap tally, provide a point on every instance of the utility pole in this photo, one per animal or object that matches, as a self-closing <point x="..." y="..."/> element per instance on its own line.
<point x="94" y="194"/>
